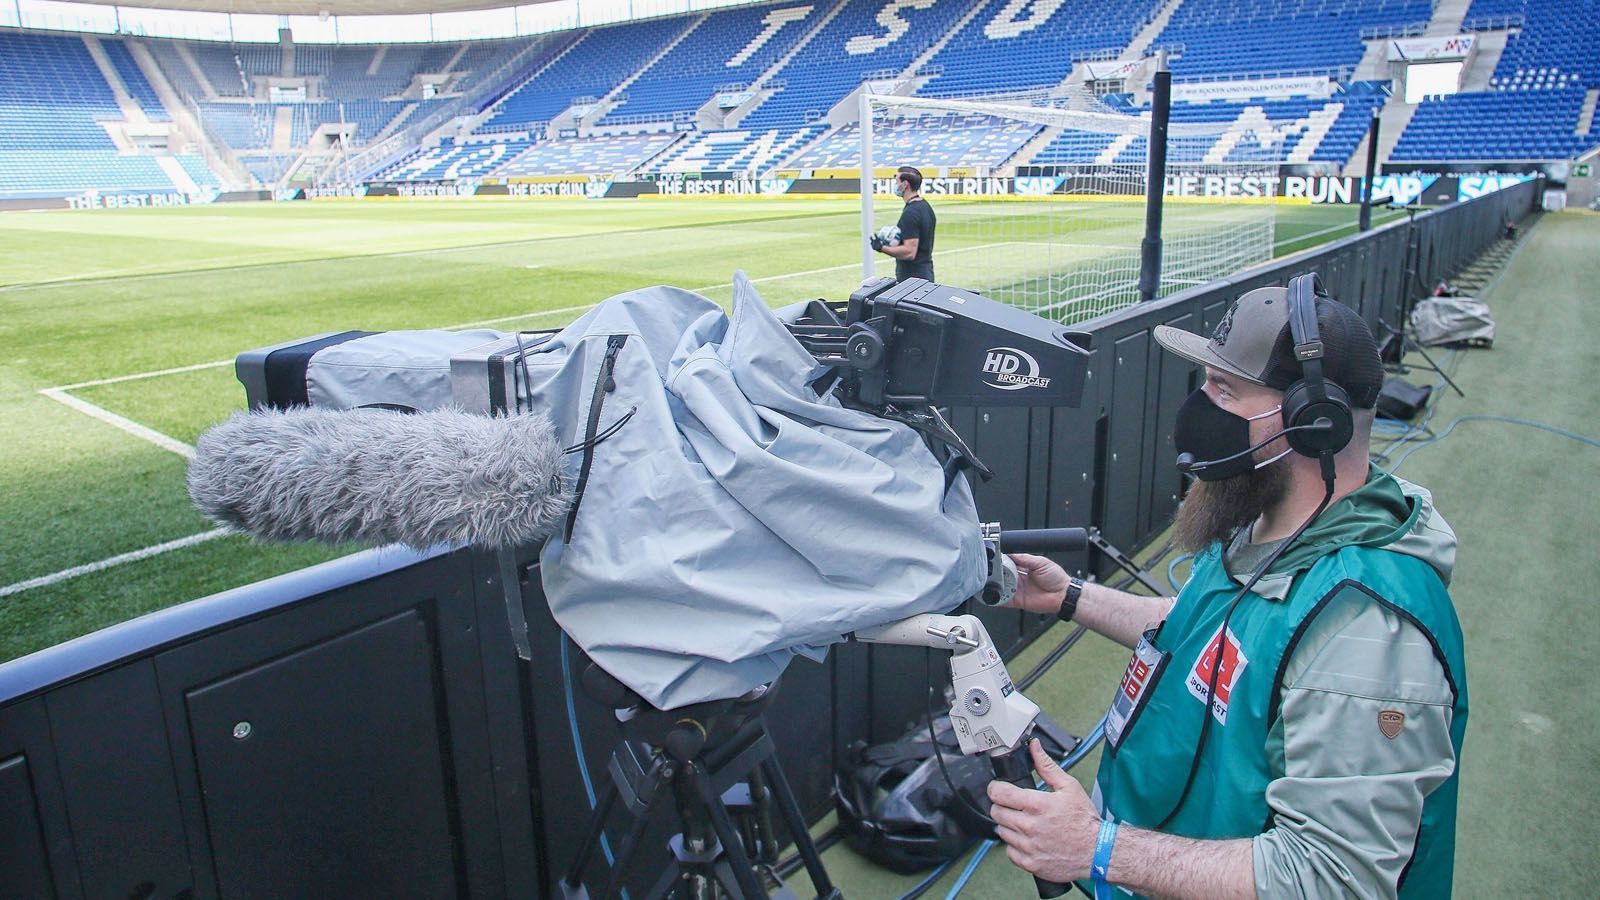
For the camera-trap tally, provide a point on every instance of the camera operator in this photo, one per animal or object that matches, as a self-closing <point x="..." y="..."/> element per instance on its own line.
<point x="913" y="255"/>
<point x="1325" y="765"/>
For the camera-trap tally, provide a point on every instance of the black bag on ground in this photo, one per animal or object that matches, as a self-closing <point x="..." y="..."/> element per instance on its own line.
<point x="1400" y="399"/>
<point x="897" y="809"/>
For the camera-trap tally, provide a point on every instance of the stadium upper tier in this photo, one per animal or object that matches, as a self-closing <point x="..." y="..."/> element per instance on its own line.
<point x="761" y="87"/>
<point x="726" y="52"/>
<point x="588" y="69"/>
<point x="60" y="116"/>
<point x="1038" y="41"/>
<point x="1228" y="38"/>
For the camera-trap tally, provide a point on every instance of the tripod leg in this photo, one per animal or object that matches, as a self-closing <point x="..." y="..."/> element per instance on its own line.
<point x="658" y="780"/>
<point x="796" y="824"/>
<point x="1435" y="366"/>
<point x="743" y="872"/>
<point x="591" y="841"/>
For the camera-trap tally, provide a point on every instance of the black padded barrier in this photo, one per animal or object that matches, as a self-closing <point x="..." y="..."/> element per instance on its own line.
<point x="366" y="728"/>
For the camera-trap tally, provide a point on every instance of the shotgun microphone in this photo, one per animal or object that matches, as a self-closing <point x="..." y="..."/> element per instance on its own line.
<point x="381" y="476"/>
<point x="1188" y="465"/>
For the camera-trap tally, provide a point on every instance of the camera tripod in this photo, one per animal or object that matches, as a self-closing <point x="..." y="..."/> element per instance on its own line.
<point x="717" y="763"/>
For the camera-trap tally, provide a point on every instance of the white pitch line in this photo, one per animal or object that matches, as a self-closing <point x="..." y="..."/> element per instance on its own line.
<point x="116" y="421"/>
<point x="527" y="315"/>
<point x="113" y="561"/>
<point x="135" y="377"/>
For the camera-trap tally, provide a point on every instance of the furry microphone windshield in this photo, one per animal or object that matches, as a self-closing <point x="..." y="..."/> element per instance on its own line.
<point x="380" y="476"/>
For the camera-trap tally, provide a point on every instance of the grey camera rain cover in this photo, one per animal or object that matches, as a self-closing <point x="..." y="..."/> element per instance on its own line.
<point x="736" y="519"/>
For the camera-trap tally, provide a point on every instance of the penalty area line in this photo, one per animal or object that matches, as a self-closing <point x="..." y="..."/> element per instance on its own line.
<point x="125" y="424"/>
<point x="113" y="561"/>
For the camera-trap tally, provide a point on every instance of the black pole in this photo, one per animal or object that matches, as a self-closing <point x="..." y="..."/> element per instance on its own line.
<point x="1372" y="171"/>
<point x="1150" y="250"/>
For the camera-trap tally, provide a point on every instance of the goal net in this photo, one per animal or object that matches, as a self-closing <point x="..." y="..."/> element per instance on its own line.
<point x="1043" y="206"/>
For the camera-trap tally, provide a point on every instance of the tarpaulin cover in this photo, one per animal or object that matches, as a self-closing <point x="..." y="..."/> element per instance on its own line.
<point x="736" y="519"/>
<point x="1448" y="320"/>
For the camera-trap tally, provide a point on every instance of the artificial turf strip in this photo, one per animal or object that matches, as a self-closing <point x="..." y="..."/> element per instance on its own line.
<point x="1525" y="506"/>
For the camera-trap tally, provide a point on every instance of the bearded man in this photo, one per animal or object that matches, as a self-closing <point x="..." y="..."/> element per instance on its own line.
<point x="1289" y="724"/>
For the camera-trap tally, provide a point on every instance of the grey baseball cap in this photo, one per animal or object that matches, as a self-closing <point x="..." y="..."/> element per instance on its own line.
<point x="1253" y="341"/>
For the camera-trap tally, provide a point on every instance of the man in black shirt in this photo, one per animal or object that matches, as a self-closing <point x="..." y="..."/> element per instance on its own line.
<point x="914" y="254"/>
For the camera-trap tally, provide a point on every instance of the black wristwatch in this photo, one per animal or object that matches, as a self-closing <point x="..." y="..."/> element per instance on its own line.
<point x="1069" y="603"/>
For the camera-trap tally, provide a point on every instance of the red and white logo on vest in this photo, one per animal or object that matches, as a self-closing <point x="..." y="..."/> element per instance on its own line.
<point x="1233" y="664"/>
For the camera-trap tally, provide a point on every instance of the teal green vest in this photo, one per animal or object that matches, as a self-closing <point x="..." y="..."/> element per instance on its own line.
<point x="1141" y="781"/>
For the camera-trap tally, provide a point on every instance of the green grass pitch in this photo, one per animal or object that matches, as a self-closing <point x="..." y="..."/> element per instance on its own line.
<point x="140" y="312"/>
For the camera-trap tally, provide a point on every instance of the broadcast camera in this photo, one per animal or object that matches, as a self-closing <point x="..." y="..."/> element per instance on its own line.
<point x="657" y="405"/>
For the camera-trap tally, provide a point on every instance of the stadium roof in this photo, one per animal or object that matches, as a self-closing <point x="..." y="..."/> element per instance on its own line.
<point x="316" y="7"/>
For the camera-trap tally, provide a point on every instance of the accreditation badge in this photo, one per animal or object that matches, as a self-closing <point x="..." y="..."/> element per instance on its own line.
<point x="1144" y="670"/>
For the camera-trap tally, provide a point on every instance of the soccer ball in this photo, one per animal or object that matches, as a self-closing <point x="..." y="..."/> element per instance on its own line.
<point x="889" y="235"/>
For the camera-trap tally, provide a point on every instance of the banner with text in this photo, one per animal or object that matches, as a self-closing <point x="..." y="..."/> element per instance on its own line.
<point x="1431" y="48"/>
<point x="1201" y="91"/>
<point x="1112" y="71"/>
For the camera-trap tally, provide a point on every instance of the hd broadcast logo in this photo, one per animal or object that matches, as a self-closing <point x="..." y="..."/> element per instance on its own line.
<point x="1003" y="369"/>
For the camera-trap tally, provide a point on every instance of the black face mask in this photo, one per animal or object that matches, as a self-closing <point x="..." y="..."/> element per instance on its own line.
<point x="1206" y="431"/>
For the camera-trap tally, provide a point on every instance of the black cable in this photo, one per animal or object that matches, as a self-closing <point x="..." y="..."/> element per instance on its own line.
<point x="1222" y="642"/>
<point x="793" y="862"/>
<point x="1050" y="659"/>
<point x="928" y="881"/>
<point x="938" y="755"/>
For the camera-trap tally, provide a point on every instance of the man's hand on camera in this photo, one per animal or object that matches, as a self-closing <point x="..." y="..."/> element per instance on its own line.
<point x="1049" y="834"/>
<point x="1041" y="584"/>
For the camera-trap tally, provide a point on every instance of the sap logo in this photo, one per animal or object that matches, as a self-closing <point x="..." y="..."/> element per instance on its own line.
<point x="1037" y="185"/>
<point x="1005" y="365"/>
<point x="1472" y="186"/>
<point x="596" y="190"/>
<point x="1401" y="189"/>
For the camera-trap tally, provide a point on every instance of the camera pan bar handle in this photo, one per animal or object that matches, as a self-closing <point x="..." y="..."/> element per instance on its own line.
<point x="1044" y="540"/>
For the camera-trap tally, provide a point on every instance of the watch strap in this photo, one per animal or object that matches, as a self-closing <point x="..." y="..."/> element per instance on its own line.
<point x="1069" y="602"/>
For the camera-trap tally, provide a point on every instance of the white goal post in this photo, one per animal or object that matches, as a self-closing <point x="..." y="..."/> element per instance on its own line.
<point x="1063" y="239"/>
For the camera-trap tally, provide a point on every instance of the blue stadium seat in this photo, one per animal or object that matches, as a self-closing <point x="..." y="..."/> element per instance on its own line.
<point x="858" y="42"/>
<point x="731" y="47"/>
<point x="934" y="141"/>
<point x="600" y="60"/>
<point x="616" y="154"/>
<point x="1006" y="48"/>
<point x="52" y="100"/>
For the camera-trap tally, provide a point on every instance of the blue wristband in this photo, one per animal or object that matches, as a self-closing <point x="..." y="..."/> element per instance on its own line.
<point x="1102" y="858"/>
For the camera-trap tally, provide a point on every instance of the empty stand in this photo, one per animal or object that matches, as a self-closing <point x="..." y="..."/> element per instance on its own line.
<point x="1010" y="47"/>
<point x="1230" y="38"/>
<point x="866" y="37"/>
<point x="1540" y="83"/>
<point x="1474" y="126"/>
<point x="601" y="59"/>
<point x="931" y="141"/>
<point x="732" y="47"/>
<point x="52" y="100"/>
<point x="449" y="160"/>
<point x="615" y="154"/>
<point x="133" y="79"/>
<point x="736" y="150"/>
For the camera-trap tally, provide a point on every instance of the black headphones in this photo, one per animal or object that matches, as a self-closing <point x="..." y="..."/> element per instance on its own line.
<point x="1313" y="397"/>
